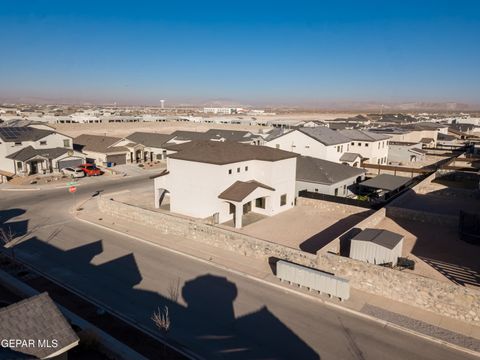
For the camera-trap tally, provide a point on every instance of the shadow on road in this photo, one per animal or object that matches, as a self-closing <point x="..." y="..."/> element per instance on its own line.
<point x="205" y="320"/>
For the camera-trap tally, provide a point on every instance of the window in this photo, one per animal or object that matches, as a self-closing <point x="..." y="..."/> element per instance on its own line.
<point x="43" y="143"/>
<point x="366" y="144"/>
<point x="238" y="170"/>
<point x="352" y="143"/>
<point x="316" y="190"/>
<point x="307" y="146"/>
<point x="19" y="165"/>
<point x="246" y="168"/>
<point x="18" y="143"/>
<point x="66" y="143"/>
<point x="359" y="144"/>
<point x="260" y="203"/>
<point x="283" y="200"/>
<point x="338" y="148"/>
<point x="231" y="208"/>
<point x="344" y="189"/>
<point x="336" y="192"/>
<point x="229" y="171"/>
<point x="379" y="145"/>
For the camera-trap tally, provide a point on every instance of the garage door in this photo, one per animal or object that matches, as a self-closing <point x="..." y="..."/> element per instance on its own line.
<point x="117" y="159"/>
<point x="70" y="162"/>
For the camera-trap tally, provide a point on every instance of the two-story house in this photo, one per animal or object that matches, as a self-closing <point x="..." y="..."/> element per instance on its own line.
<point x="30" y="150"/>
<point x="372" y="147"/>
<point x="319" y="142"/>
<point x="226" y="180"/>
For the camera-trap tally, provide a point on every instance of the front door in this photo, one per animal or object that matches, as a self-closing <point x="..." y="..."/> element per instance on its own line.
<point x="247" y="207"/>
<point x="34" y="167"/>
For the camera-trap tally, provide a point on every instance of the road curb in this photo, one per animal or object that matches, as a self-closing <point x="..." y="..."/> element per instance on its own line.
<point x="20" y="189"/>
<point x="385" y="323"/>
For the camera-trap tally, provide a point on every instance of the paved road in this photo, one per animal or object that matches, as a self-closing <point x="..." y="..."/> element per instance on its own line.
<point x="216" y="313"/>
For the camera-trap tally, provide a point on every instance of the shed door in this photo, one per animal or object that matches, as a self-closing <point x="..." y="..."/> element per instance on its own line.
<point x="70" y="163"/>
<point x="117" y="159"/>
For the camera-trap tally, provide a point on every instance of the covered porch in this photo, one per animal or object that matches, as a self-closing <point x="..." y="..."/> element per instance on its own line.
<point x="246" y="202"/>
<point x="138" y="153"/>
<point x="35" y="165"/>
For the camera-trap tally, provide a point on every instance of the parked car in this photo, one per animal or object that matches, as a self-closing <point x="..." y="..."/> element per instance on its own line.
<point x="90" y="170"/>
<point x="73" y="172"/>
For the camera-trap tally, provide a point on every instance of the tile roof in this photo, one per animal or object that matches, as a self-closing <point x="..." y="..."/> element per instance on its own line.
<point x="380" y="237"/>
<point x="98" y="143"/>
<point x="231" y="135"/>
<point x="349" y="157"/>
<point x="363" y="135"/>
<point x="150" y="139"/>
<point x="190" y="135"/>
<point x="275" y="133"/>
<point x="325" y="135"/>
<point x="22" y="133"/>
<point x="386" y="182"/>
<point x="36" y="318"/>
<point x="221" y="153"/>
<point x="29" y="152"/>
<point x="239" y="190"/>
<point x="321" y="171"/>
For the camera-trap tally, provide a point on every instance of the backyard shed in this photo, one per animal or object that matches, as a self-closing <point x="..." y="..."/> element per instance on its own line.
<point x="377" y="246"/>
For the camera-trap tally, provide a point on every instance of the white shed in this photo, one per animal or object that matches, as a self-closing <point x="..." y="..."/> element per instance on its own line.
<point x="377" y="246"/>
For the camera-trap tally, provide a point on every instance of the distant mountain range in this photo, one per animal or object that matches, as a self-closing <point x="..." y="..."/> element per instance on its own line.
<point x="370" y="106"/>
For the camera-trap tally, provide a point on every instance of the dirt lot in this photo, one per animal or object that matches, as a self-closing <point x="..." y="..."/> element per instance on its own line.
<point x="124" y="129"/>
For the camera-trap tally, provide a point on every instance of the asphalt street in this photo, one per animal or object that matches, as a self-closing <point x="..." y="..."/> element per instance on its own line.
<point x="215" y="313"/>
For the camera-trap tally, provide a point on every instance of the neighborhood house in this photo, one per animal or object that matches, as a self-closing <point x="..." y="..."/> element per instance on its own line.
<point x="226" y="180"/>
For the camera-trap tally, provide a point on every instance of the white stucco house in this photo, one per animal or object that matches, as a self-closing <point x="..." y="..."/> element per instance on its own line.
<point x="371" y="146"/>
<point x="320" y="142"/>
<point x="326" y="177"/>
<point x="404" y="153"/>
<point x="29" y="150"/>
<point x="101" y="149"/>
<point x="226" y="180"/>
<point x="145" y="146"/>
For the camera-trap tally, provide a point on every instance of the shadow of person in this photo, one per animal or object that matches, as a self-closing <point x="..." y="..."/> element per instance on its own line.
<point x="260" y="334"/>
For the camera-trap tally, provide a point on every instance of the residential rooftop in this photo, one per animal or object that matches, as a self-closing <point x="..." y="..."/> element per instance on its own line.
<point x="221" y="153"/>
<point x="325" y="135"/>
<point x="324" y="172"/>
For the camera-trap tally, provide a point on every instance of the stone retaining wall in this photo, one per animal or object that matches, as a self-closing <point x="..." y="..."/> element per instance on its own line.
<point x="197" y="230"/>
<point x="428" y="294"/>
<point x="330" y="206"/>
<point x="394" y="212"/>
<point x="337" y="244"/>
<point x="446" y="298"/>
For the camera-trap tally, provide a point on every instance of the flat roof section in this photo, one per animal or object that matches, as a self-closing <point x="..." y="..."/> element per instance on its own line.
<point x="386" y="182"/>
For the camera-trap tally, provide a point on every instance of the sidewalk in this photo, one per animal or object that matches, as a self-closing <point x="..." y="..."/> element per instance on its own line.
<point x="430" y="324"/>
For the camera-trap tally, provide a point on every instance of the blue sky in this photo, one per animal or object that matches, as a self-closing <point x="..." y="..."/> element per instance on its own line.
<point x="248" y="51"/>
